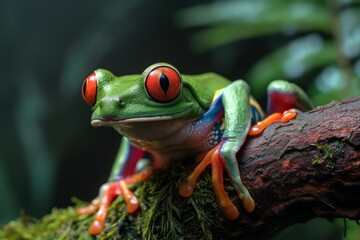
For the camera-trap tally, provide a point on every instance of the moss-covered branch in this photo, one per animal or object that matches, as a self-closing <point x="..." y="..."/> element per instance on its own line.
<point x="308" y="167"/>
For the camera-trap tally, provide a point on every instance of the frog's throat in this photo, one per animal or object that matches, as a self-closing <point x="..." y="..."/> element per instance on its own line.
<point x="98" y="122"/>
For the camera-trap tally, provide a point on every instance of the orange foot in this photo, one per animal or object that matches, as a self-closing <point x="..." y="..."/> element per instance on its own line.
<point x="225" y="204"/>
<point x="108" y="193"/>
<point x="275" y="117"/>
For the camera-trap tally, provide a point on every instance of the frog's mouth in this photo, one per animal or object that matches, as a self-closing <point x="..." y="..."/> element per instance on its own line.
<point x="142" y="118"/>
<point x="113" y="122"/>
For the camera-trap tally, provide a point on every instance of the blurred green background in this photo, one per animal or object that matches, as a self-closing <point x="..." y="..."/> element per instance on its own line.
<point x="48" y="150"/>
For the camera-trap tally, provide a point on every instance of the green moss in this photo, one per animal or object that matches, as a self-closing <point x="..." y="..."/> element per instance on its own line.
<point x="325" y="154"/>
<point x="158" y="218"/>
<point x="328" y="154"/>
<point x="58" y="225"/>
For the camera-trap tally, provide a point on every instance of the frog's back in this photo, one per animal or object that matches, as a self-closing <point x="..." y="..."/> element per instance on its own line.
<point x="204" y="86"/>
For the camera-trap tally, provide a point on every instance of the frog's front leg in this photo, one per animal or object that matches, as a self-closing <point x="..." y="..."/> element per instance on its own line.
<point x="122" y="175"/>
<point x="236" y="108"/>
<point x="237" y="120"/>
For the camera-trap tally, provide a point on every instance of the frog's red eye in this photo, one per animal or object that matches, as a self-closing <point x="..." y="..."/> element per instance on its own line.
<point x="163" y="84"/>
<point x="89" y="88"/>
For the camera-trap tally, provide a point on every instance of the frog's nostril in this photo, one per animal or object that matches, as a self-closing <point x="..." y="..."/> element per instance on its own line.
<point x="121" y="103"/>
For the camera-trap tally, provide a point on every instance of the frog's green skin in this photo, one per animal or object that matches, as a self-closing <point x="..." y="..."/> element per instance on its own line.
<point x="163" y="129"/>
<point x="185" y="125"/>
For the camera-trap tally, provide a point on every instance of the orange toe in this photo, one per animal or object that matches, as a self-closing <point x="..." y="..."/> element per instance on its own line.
<point x="260" y="126"/>
<point x="96" y="227"/>
<point x="87" y="210"/>
<point x="249" y="204"/>
<point x="186" y="189"/>
<point x="287" y="116"/>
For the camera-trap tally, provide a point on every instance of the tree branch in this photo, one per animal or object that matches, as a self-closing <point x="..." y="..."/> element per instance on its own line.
<point x="295" y="171"/>
<point x="306" y="168"/>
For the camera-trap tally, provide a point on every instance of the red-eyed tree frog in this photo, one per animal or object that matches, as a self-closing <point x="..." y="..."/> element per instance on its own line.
<point x="175" y="117"/>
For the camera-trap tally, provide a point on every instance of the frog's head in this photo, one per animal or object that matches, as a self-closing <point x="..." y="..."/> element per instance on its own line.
<point x="159" y="93"/>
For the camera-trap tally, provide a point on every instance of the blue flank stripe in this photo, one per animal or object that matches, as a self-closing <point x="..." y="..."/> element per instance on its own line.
<point x="256" y="116"/>
<point x="217" y="106"/>
<point x="216" y="109"/>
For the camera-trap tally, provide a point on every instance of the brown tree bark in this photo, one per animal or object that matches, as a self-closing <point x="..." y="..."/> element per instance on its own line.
<point x="295" y="171"/>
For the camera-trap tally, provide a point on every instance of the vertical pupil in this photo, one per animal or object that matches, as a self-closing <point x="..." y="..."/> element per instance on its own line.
<point x="164" y="82"/>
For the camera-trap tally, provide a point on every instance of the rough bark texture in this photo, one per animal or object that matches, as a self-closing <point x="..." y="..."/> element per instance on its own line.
<point x="308" y="167"/>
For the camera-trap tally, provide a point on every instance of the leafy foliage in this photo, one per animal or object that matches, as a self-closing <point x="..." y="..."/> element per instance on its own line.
<point x="317" y="40"/>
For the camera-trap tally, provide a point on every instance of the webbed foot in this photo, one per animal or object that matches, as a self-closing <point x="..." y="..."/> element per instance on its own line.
<point x="275" y="117"/>
<point x="227" y="207"/>
<point x="108" y="193"/>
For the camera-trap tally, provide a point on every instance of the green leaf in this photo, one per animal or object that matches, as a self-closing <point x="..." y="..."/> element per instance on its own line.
<point x="249" y="11"/>
<point x="291" y="61"/>
<point x="350" y="32"/>
<point x="229" y="21"/>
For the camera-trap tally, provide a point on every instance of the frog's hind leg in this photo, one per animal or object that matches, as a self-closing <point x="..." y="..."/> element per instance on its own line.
<point x="285" y="100"/>
<point x="283" y="96"/>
